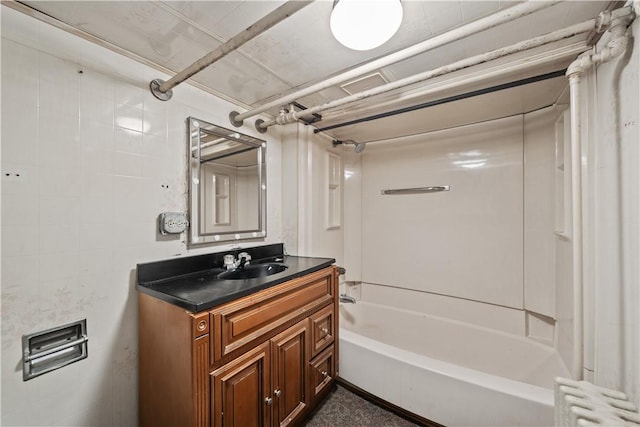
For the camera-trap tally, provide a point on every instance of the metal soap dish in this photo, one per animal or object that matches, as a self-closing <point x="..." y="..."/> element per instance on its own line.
<point x="54" y="348"/>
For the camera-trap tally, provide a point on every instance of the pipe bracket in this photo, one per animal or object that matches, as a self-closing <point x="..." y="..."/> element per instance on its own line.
<point x="232" y="118"/>
<point x="154" y="86"/>
<point x="259" y="127"/>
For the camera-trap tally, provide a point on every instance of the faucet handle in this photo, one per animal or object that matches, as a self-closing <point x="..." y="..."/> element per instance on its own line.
<point x="243" y="256"/>
<point x="229" y="261"/>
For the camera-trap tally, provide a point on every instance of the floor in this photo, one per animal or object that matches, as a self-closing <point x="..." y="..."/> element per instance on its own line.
<point x="345" y="409"/>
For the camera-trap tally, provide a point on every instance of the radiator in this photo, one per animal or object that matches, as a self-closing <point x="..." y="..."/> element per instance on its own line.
<point x="582" y="404"/>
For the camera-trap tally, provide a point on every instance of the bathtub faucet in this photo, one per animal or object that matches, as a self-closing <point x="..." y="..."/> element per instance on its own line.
<point x="347" y="298"/>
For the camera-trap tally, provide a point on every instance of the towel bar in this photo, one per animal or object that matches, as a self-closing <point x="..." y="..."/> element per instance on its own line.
<point x="416" y="190"/>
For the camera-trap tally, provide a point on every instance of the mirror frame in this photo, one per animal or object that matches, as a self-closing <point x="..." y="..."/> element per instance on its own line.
<point x="196" y="238"/>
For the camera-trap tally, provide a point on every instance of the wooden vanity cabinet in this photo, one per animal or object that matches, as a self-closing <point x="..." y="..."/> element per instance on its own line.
<point x="266" y="359"/>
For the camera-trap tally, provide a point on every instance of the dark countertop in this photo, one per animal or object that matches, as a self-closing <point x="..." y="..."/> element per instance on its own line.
<point x="192" y="282"/>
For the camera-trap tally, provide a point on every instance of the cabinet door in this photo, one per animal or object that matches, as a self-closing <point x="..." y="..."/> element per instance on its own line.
<point x="290" y="352"/>
<point x="240" y="391"/>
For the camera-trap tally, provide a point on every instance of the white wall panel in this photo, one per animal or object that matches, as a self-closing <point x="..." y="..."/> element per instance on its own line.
<point x="352" y="214"/>
<point x="467" y="242"/>
<point x="539" y="218"/>
<point x="505" y="319"/>
<point x="322" y="240"/>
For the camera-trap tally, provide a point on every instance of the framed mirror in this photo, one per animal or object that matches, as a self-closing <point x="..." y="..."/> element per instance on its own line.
<point x="227" y="184"/>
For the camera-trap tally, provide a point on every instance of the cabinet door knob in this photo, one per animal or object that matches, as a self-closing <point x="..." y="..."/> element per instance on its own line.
<point x="324" y="330"/>
<point x="324" y="373"/>
<point x="277" y="392"/>
<point x="268" y="400"/>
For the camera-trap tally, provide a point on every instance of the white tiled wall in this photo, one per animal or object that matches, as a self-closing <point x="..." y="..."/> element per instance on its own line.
<point x="98" y="159"/>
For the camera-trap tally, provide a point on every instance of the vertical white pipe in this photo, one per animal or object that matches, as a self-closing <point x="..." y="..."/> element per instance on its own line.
<point x="576" y="224"/>
<point x="617" y="21"/>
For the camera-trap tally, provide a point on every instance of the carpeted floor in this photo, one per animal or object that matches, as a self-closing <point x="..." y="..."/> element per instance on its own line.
<point x="344" y="409"/>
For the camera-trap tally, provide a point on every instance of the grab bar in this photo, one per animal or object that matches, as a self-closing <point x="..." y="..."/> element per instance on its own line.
<point x="416" y="190"/>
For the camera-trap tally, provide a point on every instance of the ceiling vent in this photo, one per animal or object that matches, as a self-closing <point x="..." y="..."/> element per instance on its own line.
<point x="364" y="83"/>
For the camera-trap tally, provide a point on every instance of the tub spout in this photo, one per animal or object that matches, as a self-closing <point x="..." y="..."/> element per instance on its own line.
<point x="347" y="298"/>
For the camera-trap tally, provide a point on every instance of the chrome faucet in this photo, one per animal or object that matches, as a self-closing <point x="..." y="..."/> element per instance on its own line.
<point x="347" y="299"/>
<point x="230" y="262"/>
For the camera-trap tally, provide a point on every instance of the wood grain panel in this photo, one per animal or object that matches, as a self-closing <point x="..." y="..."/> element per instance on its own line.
<point x="201" y="380"/>
<point x="164" y="326"/>
<point x="248" y="319"/>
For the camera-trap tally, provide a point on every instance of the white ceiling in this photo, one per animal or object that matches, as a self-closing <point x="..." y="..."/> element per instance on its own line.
<point x="301" y="49"/>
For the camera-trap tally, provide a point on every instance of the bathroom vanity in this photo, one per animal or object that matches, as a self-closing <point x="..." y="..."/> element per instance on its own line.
<point x="239" y="351"/>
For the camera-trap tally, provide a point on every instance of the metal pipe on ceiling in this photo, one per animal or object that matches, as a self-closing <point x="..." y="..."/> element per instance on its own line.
<point x="162" y="90"/>
<point x="446" y="100"/>
<point x="420" y="77"/>
<point x="473" y="27"/>
<point x="538" y="60"/>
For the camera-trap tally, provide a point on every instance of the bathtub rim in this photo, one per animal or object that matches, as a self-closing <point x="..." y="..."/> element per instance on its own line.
<point x="545" y="348"/>
<point x="534" y="393"/>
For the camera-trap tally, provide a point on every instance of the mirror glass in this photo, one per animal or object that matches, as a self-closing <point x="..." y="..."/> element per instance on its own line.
<point x="227" y="197"/>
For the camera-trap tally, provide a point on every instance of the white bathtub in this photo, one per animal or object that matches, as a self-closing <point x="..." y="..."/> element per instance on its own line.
<point x="450" y="372"/>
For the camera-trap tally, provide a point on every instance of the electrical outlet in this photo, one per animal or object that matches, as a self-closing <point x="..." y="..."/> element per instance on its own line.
<point x="173" y="222"/>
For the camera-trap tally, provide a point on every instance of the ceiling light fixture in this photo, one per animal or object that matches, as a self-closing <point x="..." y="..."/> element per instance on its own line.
<point x="365" y="24"/>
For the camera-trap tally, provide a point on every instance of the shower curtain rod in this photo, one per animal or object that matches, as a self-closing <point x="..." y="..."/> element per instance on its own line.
<point x="545" y="39"/>
<point x="547" y="60"/>
<point x="491" y="21"/>
<point x="448" y="99"/>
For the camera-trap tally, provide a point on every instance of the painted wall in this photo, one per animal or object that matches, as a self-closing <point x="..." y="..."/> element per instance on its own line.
<point x="98" y="159"/>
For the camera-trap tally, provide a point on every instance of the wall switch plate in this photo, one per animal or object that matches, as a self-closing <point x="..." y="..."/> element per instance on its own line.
<point x="173" y="222"/>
